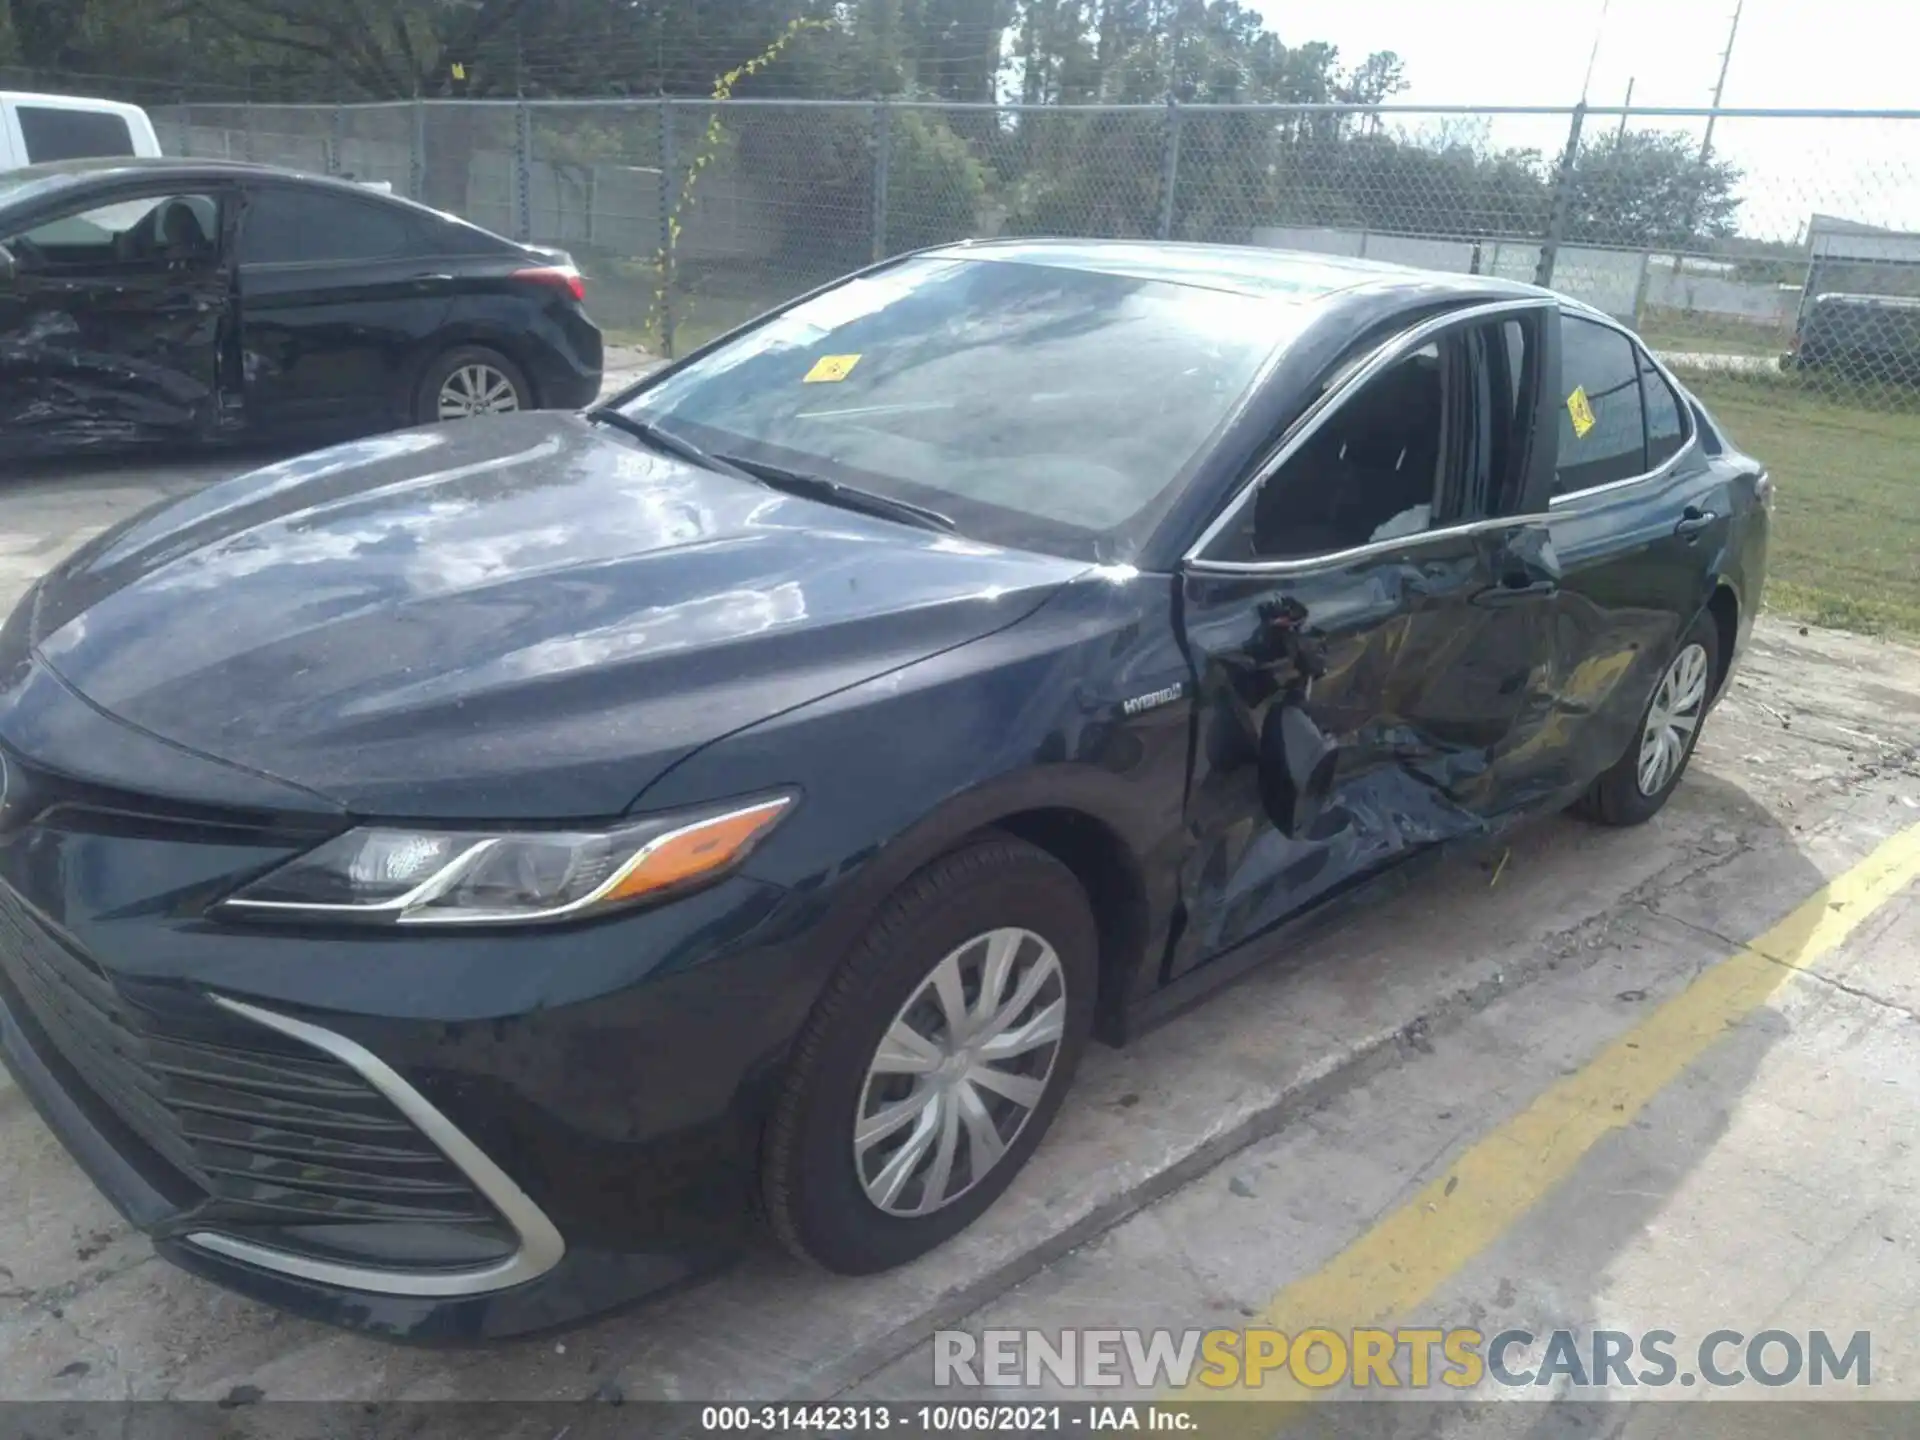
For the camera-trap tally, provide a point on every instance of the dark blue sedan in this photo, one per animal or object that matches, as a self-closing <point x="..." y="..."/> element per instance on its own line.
<point x="445" y="879"/>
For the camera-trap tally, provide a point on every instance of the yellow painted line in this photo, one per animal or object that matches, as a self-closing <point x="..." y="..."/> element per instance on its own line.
<point x="1409" y="1254"/>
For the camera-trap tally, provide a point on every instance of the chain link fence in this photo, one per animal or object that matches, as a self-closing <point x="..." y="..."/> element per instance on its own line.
<point x="1787" y="260"/>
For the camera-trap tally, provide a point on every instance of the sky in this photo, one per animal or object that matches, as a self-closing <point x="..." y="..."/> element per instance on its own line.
<point x="1802" y="54"/>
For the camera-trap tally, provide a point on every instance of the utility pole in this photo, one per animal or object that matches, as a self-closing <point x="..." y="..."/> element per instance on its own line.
<point x="1599" y="28"/>
<point x="1720" y="85"/>
<point x="1706" y="138"/>
<point x="1625" y="106"/>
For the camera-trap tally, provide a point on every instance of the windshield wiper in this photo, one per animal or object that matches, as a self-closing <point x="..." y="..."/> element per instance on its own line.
<point x="660" y="438"/>
<point x="835" y="492"/>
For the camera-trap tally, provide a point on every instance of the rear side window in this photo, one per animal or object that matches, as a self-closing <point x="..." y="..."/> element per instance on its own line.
<point x="288" y="226"/>
<point x="1710" y="440"/>
<point x="1602" y="435"/>
<point x="1666" y="430"/>
<point x="60" y="134"/>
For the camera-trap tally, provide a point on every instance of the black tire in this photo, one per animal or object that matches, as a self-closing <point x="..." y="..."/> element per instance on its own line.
<point x="815" y="1197"/>
<point x="426" y="400"/>
<point x="1616" y="797"/>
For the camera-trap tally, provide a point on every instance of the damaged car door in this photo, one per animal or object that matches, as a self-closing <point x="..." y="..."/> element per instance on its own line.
<point x="1370" y="623"/>
<point x="113" y="315"/>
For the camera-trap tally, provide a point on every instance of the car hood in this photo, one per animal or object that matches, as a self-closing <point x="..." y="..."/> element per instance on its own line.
<point x="527" y="616"/>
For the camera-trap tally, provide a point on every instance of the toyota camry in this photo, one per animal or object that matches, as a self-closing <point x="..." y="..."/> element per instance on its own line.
<point x="457" y="881"/>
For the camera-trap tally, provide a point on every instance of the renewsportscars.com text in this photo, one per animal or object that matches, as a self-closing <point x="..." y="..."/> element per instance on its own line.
<point x="1407" y="1357"/>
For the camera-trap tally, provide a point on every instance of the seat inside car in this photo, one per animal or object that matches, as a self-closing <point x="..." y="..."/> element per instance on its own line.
<point x="1368" y="474"/>
<point x="182" y="235"/>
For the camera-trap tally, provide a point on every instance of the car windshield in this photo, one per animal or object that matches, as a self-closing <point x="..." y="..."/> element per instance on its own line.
<point x="1037" y="406"/>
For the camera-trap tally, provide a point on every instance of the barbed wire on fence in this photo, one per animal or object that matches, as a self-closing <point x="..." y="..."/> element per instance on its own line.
<point x="1789" y="257"/>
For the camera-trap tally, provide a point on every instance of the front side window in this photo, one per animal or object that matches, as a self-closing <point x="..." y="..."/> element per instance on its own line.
<point x="1035" y="405"/>
<point x="1602" y="435"/>
<point x="1371" y="472"/>
<point x="1436" y="439"/>
<point x="57" y="133"/>
<point x="139" y="233"/>
<point x="288" y="226"/>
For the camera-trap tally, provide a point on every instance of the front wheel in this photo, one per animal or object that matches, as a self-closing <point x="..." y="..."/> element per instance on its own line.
<point x="936" y="1060"/>
<point x="1638" y="784"/>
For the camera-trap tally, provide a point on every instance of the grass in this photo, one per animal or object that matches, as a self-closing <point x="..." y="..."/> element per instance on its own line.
<point x="1845" y="548"/>
<point x="1690" y="332"/>
<point x="708" y="298"/>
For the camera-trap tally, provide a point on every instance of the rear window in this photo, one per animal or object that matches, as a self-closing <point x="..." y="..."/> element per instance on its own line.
<point x="59" y="134"/>
<point x="450" y="235"/>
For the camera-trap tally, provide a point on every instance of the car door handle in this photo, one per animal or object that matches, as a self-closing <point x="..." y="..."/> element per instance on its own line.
<point x="1693" y="520"/>
<point x="434" y="279"/>
<point x="1495" y="595"/>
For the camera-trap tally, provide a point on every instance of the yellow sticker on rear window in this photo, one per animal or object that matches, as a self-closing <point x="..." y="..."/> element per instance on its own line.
<point x="1581" y="411"/>
<point x="830" y="369"/>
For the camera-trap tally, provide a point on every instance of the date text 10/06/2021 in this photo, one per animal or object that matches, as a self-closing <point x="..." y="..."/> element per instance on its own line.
<point x="913" y="1418"/>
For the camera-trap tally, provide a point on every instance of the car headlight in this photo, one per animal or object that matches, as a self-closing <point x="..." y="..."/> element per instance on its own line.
<point x="389" y="875"/>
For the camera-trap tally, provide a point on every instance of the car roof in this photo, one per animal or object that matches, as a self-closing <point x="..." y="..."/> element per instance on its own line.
<point x="1250" y="270"/>
<point x="69" y="102"/>
<point x="32" y="183"/>
<point x="153" y="166"/>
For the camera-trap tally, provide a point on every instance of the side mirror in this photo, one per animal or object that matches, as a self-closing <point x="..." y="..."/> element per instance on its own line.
<point x="9" y="267"/>
<point x="1297" y="763"/>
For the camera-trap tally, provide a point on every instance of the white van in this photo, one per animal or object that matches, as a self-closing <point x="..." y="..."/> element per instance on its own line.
<point x="37" y="128"/>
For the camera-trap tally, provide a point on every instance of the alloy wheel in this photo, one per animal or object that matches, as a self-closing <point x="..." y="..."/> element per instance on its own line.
<point x="960" y="1070"/>
<point x="476" y="388"/>
<point x="1672" y="718"/>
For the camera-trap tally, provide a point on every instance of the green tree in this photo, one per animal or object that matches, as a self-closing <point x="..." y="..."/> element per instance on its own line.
<point x="1103" y="173"/>
<point x="936" y="187"/>
<point x="1648" y="188"/>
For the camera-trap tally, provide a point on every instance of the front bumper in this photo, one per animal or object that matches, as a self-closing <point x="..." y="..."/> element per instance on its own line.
<point x="432" y="1138"/>
<point x="538" y="1284"/>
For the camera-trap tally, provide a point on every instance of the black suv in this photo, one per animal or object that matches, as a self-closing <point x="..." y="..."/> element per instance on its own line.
<point x="1864" y="337"/>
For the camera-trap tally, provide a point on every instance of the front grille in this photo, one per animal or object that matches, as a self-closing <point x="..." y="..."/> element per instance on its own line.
<point x="282" y="1139"/>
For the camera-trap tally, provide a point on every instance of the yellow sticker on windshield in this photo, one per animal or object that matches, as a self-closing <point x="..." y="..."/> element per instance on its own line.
<point x="1581" y="411"/>
<point x="830" y="369"/>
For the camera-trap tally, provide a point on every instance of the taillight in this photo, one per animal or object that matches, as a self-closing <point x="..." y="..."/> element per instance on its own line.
<point x="563" y="277"/>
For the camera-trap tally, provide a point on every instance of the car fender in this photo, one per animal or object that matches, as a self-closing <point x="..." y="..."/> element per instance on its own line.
<point x="1028" y="729"/>
<point x="452" y="334"/>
